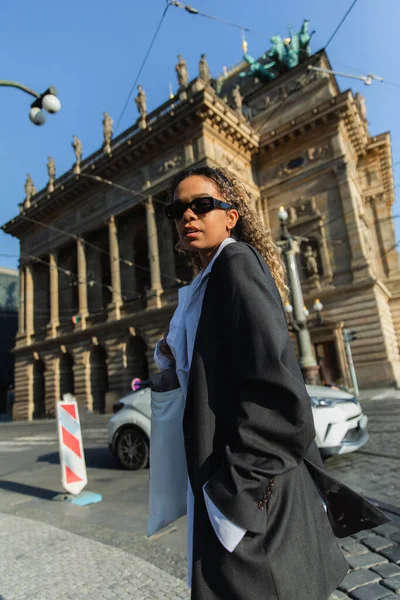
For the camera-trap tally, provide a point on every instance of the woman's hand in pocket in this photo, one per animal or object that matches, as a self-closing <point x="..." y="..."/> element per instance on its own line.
<point x="165" y="349"/>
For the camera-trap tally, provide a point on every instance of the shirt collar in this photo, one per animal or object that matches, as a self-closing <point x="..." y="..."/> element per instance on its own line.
<point x="204" y="272"/>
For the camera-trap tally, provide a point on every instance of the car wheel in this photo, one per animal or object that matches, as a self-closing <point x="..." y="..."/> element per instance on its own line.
<point x="132" y="449"/>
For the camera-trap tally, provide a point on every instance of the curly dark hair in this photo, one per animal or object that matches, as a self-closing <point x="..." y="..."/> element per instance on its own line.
<point x="248" y="228"/>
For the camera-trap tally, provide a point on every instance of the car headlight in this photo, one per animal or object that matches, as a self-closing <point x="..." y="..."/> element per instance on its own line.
<point x="322" y="402"/>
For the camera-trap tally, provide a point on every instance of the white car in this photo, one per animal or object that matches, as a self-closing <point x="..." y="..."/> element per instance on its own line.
<point x="340" y="425"/>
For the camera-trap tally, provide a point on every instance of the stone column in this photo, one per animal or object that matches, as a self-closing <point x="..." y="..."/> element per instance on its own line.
<point x="360" y="264"/>
<point x="54" y="307"/>
<point x="154" y="294"/>
<point x="30" y="330"/>
<point x="22" y="310"/>
<point x="115" y="268"/>
<point x="82" y="284"/>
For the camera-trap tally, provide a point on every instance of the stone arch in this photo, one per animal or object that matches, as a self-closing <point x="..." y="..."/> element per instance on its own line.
<point x="136" y="360"/>
<point x="67" y="384"/>
<point x="98" y="377"/>
<point x="39" y="390"/>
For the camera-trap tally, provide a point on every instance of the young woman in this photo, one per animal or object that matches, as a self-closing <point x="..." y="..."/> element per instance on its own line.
<point x="257" y="526"/>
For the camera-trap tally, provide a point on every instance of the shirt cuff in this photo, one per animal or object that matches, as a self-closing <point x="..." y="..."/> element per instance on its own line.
<point x="162" y="362"/>
<point x="227" y="532"/>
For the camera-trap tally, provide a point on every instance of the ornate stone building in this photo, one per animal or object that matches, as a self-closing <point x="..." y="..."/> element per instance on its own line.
<point x="8" y="329"/>
<point x="106" y="283"/>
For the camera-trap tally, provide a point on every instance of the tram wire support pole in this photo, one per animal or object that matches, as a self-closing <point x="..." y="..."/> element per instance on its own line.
<point x="297" y="314"/>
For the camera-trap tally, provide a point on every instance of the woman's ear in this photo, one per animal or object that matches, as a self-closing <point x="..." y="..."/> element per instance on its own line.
<point x="232" y="218"/>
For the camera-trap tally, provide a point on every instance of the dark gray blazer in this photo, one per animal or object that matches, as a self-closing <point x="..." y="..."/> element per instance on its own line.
<point x="249" y="433"/>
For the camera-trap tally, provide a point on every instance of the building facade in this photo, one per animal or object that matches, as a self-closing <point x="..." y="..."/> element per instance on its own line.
<point x="103" y="285"/>
<point x="8" y="330"/>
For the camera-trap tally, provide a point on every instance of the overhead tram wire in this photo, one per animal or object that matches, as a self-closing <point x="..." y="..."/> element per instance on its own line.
<point x="121" y="187"/>
<point x="124" y="261"/>
<point x="194" y="11"/>
<point x="143" y="64"/>
<point x="341" y="23"/>
<point x="68" y="273"/>
<point x="306" y="75"/>
<point x="334" y="187"/>
<point x="304" y="235"/>
<point x="130" y="263"/>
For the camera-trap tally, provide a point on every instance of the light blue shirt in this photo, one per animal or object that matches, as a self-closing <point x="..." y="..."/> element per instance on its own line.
<point x="181" y="339"/>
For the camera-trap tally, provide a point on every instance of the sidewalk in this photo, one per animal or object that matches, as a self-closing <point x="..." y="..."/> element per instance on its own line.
<point x="40" y="562"/>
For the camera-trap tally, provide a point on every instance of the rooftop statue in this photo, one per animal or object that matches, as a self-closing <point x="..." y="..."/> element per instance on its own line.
<point x="284" y="54"/>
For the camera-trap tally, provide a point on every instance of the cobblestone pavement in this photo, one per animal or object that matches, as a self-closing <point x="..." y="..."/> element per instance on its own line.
<point x="374" y="470"/>
<point x="96" y="552"/>
<point x="41" y="562"/>
<point x="374" y="559"/>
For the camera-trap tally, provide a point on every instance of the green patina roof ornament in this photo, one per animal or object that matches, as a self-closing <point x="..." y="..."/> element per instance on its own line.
<point x="284" y="54"/>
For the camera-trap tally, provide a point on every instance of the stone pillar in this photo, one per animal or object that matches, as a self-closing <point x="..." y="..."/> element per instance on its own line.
<point x="189" y="153"/>
<point x="22" y="309"/>
<point x="360" y="264"/>
<point x="82" y="284"/>
<point x="54" y="307"/>
<point x="30" y="330"/>
<point x="154" y="294"/>
<point x="115" y="268"/>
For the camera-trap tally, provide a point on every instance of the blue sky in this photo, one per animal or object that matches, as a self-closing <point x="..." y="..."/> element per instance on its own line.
<point x="92" y="50"/>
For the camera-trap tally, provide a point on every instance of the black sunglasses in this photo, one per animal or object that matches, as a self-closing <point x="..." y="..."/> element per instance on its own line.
<point x="199" y="206"/>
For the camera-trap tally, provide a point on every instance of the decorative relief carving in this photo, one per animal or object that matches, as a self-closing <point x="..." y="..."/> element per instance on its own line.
<point x="169" y="164"/>
<point x="319" y="152"/>
<point x="280" y="93"/>
<point x="293" y="165"/>
<point x="230" y="161"/>
<point x="305" y="207"/>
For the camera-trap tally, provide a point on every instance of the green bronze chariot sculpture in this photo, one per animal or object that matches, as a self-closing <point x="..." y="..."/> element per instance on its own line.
<point x="285" y="54"/>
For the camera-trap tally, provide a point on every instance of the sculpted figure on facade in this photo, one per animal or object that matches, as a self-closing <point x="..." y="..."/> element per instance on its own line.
<point x="30" y="190"/>
<point x="310" y="259"/>
<point x="51" y="169"/>
<point x="204" y="70"/>
<point x="77" y="146"/>
<point x="182" y="72"/>
<point x="361" y="105"/>
<point x="292" y="215"/>
<point x="172" y="163"/>
<point x="141" y="103"/>
<point x="107" y="132"/>
<point x="237" y="99"/>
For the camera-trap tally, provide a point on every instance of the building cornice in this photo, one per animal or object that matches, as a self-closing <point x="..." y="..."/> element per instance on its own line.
<point x="381" y="144"/>
<point x="338" y="108"/>
<point x="176" y="117"/>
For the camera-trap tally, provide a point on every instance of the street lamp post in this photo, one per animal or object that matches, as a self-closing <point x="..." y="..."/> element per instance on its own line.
<point x="297" y="313"/>
<point x="48" y="101"/>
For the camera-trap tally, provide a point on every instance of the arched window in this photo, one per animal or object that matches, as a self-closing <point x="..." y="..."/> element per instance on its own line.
<point x="98" y="377"/>
<point x="66" y="374"/>
<point x="39" y="394"/>
<point x="136" y="360"/>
